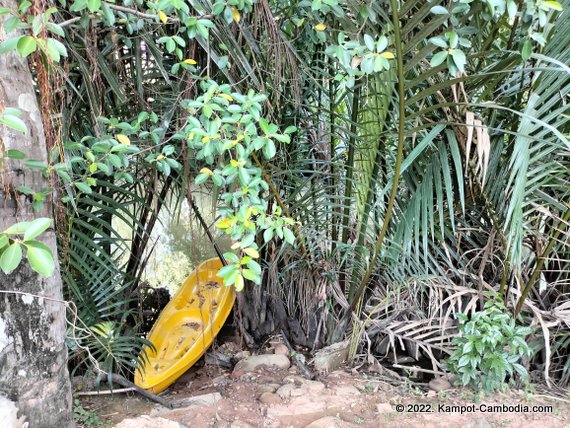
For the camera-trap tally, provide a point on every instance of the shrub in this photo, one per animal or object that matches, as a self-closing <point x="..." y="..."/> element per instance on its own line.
<point x="488" y="348"/>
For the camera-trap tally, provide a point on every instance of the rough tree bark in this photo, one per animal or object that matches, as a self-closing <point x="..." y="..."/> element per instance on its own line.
<point x="33" y="354"/>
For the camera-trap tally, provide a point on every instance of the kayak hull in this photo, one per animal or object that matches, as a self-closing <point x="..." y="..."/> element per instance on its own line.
<point x="186" y="327"/>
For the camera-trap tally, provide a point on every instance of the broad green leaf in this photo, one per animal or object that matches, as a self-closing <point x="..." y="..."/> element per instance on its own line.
<point x="289" y="236"/>
<point x="439" y="10"/>
<point x="26" y="45"/>
<point x="13" y="122"/>
<point x="438" y="58"/>
<point x="11" y="258"/>
<point x="36" y="227"/>
<point x="83" y="187"/>
<point x="17" y="229"/>
<point x="40" y="258"/>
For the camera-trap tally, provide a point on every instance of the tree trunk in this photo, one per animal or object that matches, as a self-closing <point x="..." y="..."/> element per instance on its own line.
<point x="33" y="353"/>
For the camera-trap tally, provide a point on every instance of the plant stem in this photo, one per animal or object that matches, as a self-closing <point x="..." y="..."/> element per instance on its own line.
<point x="399" y="156"/>
<point x="540" y="262"/>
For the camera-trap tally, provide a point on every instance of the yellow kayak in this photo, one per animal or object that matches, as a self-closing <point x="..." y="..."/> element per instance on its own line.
<point x="186" y="327"/>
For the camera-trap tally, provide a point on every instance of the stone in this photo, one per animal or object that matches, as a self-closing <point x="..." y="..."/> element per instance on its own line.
<point x="204" y="400"/>
<point x="298" y="406"/>
<point x="9" y="414"/>
<point x="285" y="391"/>
<point x="220" y="381"/>
<point x="268" y="387"/>
<point x="439" y="384"/>
<point x="331" y="357"/>
<point x="146" y="421"/>
<point x="478" y="423"/>
<point x="295" y="379"/>
<point x="249" y="364"/>
<point x="347" y="390"/>
<point x="269" y="398"/>
<point x="313" y="386"/>
<point x="241" y="355"/>
<point x="326" y="422"/>
<point x="240" y="424"/>
<point x="281" y="349"/>
<point x="384" y="408"/>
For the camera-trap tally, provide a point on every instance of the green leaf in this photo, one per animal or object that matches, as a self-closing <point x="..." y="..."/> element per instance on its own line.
<point x="526" y="50"/>
<point x="288" y="236"/>
<point x="3" y="241"/>
<point x="11" y="258"/>
<point x="17" y="229"/>
<point x="26" y="45"/>
<point x="40" y="258"/>
<point x="459" y="59"/>
<point x="93" y="5"/>
<point x="83" y="187"/>
<point x="438" y="58"/>
<point x="9" y="45"/>
<point x="14" y="154"/>
<point x="268" y="235"/>
<point x="438" y="41"/>
<point x="439" y="10"/>
<point x="36" y="227"/>
<point x="13" y="122"/>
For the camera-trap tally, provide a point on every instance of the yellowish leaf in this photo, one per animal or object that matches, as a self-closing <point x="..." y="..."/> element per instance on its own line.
<point x="205" y="139"/>
<point x="251" y="252"/>
<point x="191" y="136"/>
<point x="123" y="139"/>
<point x="224" y="224"/>
<point x="162" y="16"/>
<point x="190" y="61"/>
<point x="552" y="5"/>
<point x="160" y="157"/>
<point x="239" y="282"/>
<point x="206" y="171"/>
<point x="227" y="97"/>
<point x="321" y="27"/>
<point x="387" y="55"/>
<point x="236" y="15"/>
<point x="235" y="246"/>
<point x="234" y="163"/>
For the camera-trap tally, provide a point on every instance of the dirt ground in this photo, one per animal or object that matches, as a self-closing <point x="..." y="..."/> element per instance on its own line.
<point x="211" y="396"/>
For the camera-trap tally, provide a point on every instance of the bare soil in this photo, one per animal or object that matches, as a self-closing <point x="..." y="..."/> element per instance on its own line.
<point x="344" y="398"/>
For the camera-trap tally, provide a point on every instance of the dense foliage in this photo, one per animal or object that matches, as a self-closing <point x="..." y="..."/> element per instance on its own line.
<point x="410" y="168"/>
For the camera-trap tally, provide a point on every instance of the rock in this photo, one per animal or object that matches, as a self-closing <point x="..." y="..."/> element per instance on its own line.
<point x="204" y="400"/>
<point x="285" y="391"/>
<point x="331" y="357"/>
<point x="298" y="406"/>
<point x="251" y="363"/>
<point x="295" y="379"/>
<point x="313" y="386"/>
<point x="146" y="421"/>
<point x="241" y="355"/>
<point x="478" y="423"/>
<point x="269" y="398"/>
<point x="9" y="414"/>
<point x="281" y="349"/>
<point x="268" y="387"/>
<point x="220" y="381"/>
<point x="240" y="424"/>
<point x="439" y="384"/>
<point x="431" y="394"/>
<point x="326" y="422"/>
<point x="384" y="408"/>
<point x="347" y="390"/>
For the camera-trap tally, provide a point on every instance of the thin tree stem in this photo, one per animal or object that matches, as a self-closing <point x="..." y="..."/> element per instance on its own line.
<point x="540" y="262"/>
<point x="399" y="156"/>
